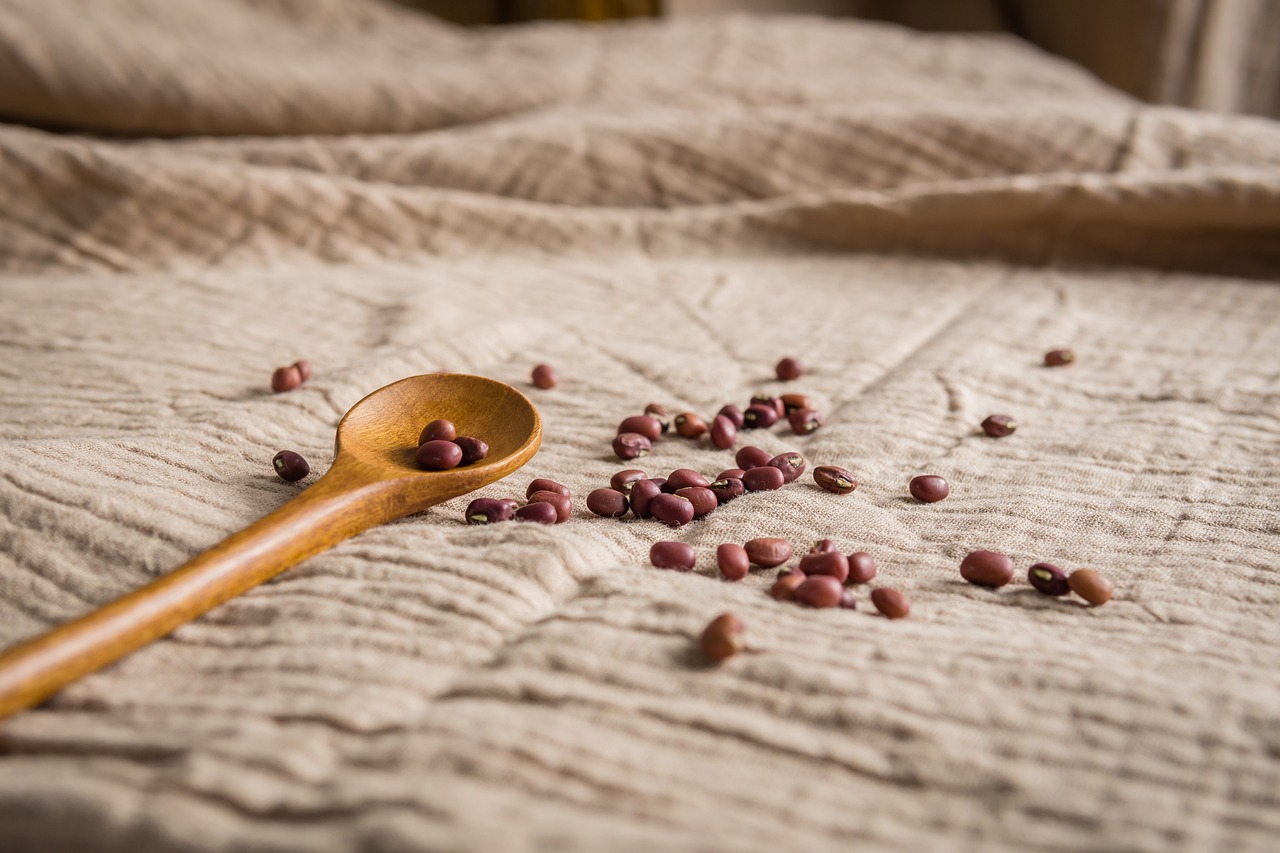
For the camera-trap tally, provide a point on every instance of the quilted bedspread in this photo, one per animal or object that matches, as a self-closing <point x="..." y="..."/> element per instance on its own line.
<point x="195" y="193"/>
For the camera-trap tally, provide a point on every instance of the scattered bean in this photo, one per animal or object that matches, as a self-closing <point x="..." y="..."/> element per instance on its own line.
<point x="730" y="474"/>
<point x="642" y="494"/>
<point x="784" y="588"/>
<point x="690" y="425"/>
<point x="821" y="546"/>
<point x="562" y="503"/>
<point x="286" y="379"/>
<point x="609" y="503"/>
<point x="862" y="568"/>
<point x="831" y="563"/>
<point x="646" y="425"/>
<point x="473" y="449"/>
<point x="819" y="591"/>
<point x="768" y="551"/>
<point x="438" y="430"/>
<point x="890" y="602"/>
<point x="775" y="403"/>
<point x="542" y="513"/>
<point x="304" y="369"/>
<point x="727" y="488"/>
<point x="791" y="464"/>
<point x="624" y="480"/>
<point x="792" y="402"/>
<point x="672" y="510"/>
<point x="733" y="413"/>
<point x="789" y="369"/>
<point x="684" y="477"/>
<point x="1049" y="579"/>
<point x="1059" y="358"/>
<point x="752" y="457"/>
<point x="723" y="432"/>
<point x="833" y="479"/>
<point x="1091" y="585"/>
<point x="489" y="511"/>
<point x="733" y="561"/>
<point x="660" y="482"/>
<point x="849" y="600"/>
<point x="631" y="445"/>
<point x="438" y="455"/>
<point x="804" y="421"/>
<point x="759" y="416"/>
<point x="929" y="488"/>
<point x="672" y="555"/>
<point x="290" y="466"/>
<point x="998" y="426"/>
<point x="544" y="377"/>
<point x="703" y="499"/>
<point x="763" y="479"/>
<point x="659" y="412"/>
<point x="987" y="568"/>
<point x="542" y="484"/>
<point x="722" y="639"/>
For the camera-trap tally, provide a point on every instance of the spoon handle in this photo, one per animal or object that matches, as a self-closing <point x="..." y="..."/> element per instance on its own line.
<point x="334" y="508"/>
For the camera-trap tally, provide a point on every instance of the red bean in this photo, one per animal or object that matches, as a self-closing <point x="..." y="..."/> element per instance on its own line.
<point x="890" y="602"/>
<point x="730" y="474"/>
<point x="658" y="412"/>
<point x="703" y="499"/>
<point x="789" y="369"/>
<point x="437" y="455"/>
<point x="624" y="480"/>
<point x="672" y="555"/>
<point x="804" y="421"/>
<point x="821" y="546"/>
<point x="722" y="639"/>
<point x="642" y="494"/>
<point x="831" y="563"/>
<point x="1059" y="358"/>
<point x="775" y="403"/>
<point x="723" y="432"/>
<point x="290" y="466"/>
<point x="862" y="568"/>
<point x="542" y="484"/>
<point x="784" y="588"/>
<point x="690" y="425"/>
<point x="792" y="402"/>
<point x="929" y="488"/>
<point x="768" y="551"/>
<point x="819" y="591"/>
<point x="440" y="430"/>
<point x="727" y="489"/>
<point x="987" y="568"/>
<point x="849" y="600"/>
<point x="562" y="503"/>
<point x="304" y="369"/>
<point x="489" y="511"/>
<point x="998" y="426"/>
<point x="542" y="513"/>
<point x="285" y="379"/>
<point x="835" y="480"/>
<point x="733" y="413"/>
<point x="759" y="416"/>
<point x="1048" y="579"/>
<point x="684" y="477"/>
<point x="1091" y="585"/>
<point x="649" y="427"/>
<point x="609" y="503"/>
<point x="751" y="457"/>
<point x="791" y="464"/>
<point x="733" y="561"/>
<point x="631" y="445"/>
<point x="544" y="377"/>
<point x="672" y="510"/>
<point x="763" y="479"/>
<point x="473" y="449"/>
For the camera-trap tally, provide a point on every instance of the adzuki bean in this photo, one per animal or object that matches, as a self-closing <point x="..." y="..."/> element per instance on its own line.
<point x="684" y="477"/>
<point x="642" y="494"/>
<point x="759" y="416"/>
<point x="789" y="369"/>
<point x="791" y="464"/>
<point x="544" y="377"/>
<point x="672" y="555"/>
<point x="1092" y="586"/>
<point x="730" y="474"/>
<point x="784" y="588"/>
<point x="473" y="449"/>
<point x="733" y="413"/>
<point x="890" y="602"/>
<point x="631" y="445"/>
<point x="819" y="591"/>
<point x="831" y="563"/>
<point x="727" y="489"/>
<point x="440" y="430"/>
<point x="722" y="639"/>
<point x="733" y="561"/>
<point x="835" y="480"/>
<point x="998" y="426"/>
<point x="304" y="369"/>
<point x="646" y="425"/>
<point x="862" y="568"/>
<point x="849" y="600"/>
<point x="1048" y="579"/>
<point x="489" y="511"/>
<point x="542" y="513"/>
<point x="987" y="568"/>
<point x="438" y="455"/>
<point x="541" y="484"/>
<point x="751" y="457"/>
<point x="290" y="466"/>
<point x="929" y="488"/>
<point x="624" y="480"/>
<point x="690" y="425"/>
<point x="286" y="378"/>
<point x="609" y="503"/>
<point x="1059" y="358"/>
<point x="804" y="421"/>
<point x="562" y="503"/>
<point x="723" y="432"/>
<point x="766" y="478"/>
<point x="792" y="402"/>
<point x="768" y="551"/>
<point x="672" y="510"/>
<point x="703" y="499"/>
<point x="821" y="546"/>
<point x="659" y="412"/>
<point x="775" y="403"/>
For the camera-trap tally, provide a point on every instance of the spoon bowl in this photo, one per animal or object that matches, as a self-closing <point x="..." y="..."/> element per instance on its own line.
<point x="374" y="479"/>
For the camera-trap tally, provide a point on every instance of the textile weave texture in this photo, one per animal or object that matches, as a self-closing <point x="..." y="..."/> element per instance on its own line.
<point x="196" y="193"/>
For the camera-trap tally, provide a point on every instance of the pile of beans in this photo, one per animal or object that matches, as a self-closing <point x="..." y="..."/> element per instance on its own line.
<point x="441" y="448"/>
<point x="288" y="378"/>
<point x="992" y="569"/>
<point x="546" y="502"/>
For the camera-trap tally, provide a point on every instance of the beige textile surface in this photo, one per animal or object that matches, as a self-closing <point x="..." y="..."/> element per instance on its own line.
<point x="661" y="211"/>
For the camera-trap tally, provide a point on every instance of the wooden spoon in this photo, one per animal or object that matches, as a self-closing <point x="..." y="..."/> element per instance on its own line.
<point x="374" y="479"/>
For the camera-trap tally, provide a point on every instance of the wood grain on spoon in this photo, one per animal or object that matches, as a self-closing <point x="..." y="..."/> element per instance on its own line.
<point x="373" y="480"/>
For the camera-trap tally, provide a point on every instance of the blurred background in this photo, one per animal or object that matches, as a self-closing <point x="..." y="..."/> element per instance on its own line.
<point x="1220" y="55"/>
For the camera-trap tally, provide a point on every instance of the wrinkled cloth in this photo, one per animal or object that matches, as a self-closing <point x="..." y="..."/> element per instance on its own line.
<point x="196" y="193"/>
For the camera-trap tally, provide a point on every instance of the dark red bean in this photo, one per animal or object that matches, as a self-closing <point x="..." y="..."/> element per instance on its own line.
<point x="849" y="600"/>
<point x="660" y="482"/>
<point x="290" y="466"/>
<point x="759" y="416"/>
<point x="987" y="568"/>
<point x="672" y="555"/>
<point x="666" y="486"/>
<point x="831" y="563"/>
<point x="658" y="411"/>
<point x="751" y="457"/>
<point x="1059" y="358"/>
<point x="929" y="488"/>
<point x="544" y="377"/>
<point x="438" y="455"/>
<point x="730" y="474"/>
<point x="649" y="427"/>
<point x="768" y="551"/>
<point x="542" y="484"/>
<point x="1049" y="579"/>
<point x="671" y="510"/>
<point x="723" y="432"/>
<point x="791" y="570"/>
<point x="775" y="403"/>
<point x="733" y="413"/>
<point x="438" y="430"/>
<point x="819" y="591"/>
<point x="792" y="402"/>
<point x="890" y="602"/>
<point x="489" y="511"/>
<point x="763" y="479"/>
<point x="642" y="494"/>
<point x="1091" y="585"/>
<point x="304" y="369"/>
<point x="998" y="426"/>
<point x="690" y="425"/>
<point x="285" y="379"/>
<point x="473" y="449"/>
<point x="703" y="499"/>
<point x="542" y="513"/>
<point x="804" y="421"/>
<point x="789" y="369"/>
<point x="821" y="546"/>
<point x="862" y="567"/>
<point x="684" y="477"/>
<point x="733" y="561"/>
<point x="791" y="464"/>
<point x="722" y="639"/>
<point x="624" y="480"/>
<point x="609" y="503"/>
<point x="836" y="480"/>
<point x="631" y="445"/>
<point x="727" y="489"/>
<point x="562" y="503"/>
<point x="784" y="588"/>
